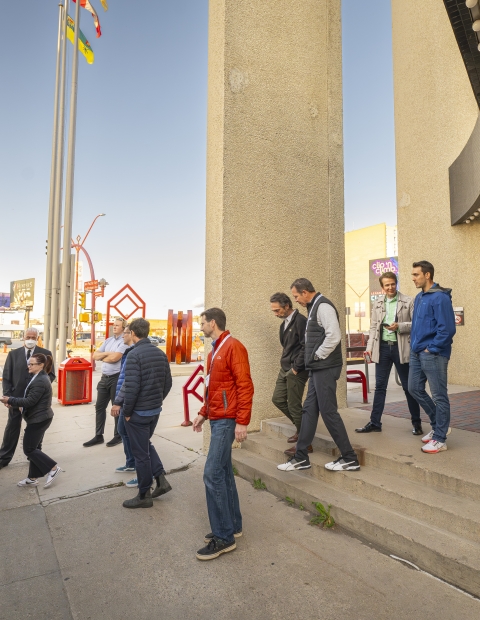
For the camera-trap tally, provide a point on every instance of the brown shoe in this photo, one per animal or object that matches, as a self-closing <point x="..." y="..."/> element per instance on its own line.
<point x="293" y="438"/>
<point x="291" y="451"/>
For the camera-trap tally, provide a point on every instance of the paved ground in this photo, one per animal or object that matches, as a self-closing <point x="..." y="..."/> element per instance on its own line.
<point x="73" y="552"/>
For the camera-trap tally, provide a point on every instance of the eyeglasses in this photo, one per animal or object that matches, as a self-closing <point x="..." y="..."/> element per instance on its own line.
<point x="33" y="364"/>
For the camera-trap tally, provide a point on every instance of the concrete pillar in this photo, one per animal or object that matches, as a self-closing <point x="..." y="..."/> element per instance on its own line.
<point x="274" y="168"/>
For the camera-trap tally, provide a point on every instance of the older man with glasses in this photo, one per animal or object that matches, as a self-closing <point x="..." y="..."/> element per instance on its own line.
<point x="110" y="354"/>
<point x="15" y="380"/>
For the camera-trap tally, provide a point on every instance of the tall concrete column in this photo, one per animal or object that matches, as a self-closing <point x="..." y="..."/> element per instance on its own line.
<point x="274" y="168"/>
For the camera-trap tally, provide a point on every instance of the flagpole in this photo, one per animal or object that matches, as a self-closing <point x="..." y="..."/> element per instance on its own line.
<point x="53" y="173"/>
<point x="64" y="320"/>
<point x="54" y="243"/>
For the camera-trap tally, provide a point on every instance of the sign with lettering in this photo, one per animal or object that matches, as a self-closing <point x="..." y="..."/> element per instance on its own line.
<point x="91" y="285"/>
<point x="22" y="294"/>
<point x="376" y="268"/>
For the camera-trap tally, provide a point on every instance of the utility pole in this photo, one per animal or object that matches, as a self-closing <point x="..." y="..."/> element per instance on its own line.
<point x="63" y="319"/>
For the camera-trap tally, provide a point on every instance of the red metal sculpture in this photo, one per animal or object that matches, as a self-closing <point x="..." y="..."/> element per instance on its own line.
<point x="179" y="337"/>
<point x="114" y="304"/>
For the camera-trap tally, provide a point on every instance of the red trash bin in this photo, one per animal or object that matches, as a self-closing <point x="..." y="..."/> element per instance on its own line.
<point x="75" y="381"/>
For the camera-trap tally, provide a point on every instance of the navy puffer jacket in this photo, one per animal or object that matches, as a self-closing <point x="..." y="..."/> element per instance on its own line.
<point x="148" y="379"/>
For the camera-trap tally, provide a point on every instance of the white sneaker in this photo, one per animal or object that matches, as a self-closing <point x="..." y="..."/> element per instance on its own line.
<point x="52" y="475"/>
<point x="28" y="482"/>
<point x="432" y="447"/>
<point x="429" y="436"/>
<point x="342" y="465"/>
<point x="293" y="465"/>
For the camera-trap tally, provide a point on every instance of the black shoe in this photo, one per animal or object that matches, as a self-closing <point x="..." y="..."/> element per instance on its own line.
<point x="163" y="486"/>
<point x="369" y="428"/>
<point x="94" y="441"/>
<point x="114" y="441"/>
<point x="209" y="537"/>
<point x="215" y="547"/>
<point x="137" y="502"/>
<point x="4" y="464"/>
<point x="417" y="429"/>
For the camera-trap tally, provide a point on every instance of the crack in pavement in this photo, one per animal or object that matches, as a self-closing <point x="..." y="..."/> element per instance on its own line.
<point x="50" y="572"/>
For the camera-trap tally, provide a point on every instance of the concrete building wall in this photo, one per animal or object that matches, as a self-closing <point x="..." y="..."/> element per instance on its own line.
<point x="361" y="246"/>
<point x="435" y="113"/>
<point x="274" y="167"/>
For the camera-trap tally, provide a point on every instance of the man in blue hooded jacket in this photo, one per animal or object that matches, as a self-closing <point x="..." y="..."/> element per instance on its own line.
<point x="433" y="328"/>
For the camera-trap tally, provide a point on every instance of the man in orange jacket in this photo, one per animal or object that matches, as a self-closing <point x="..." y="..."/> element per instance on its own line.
<point x="228" y="406"/>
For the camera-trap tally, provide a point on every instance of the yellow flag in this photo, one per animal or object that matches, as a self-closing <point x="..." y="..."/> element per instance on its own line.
<point x="83" y="45"/>
<point x="104" y="4"/>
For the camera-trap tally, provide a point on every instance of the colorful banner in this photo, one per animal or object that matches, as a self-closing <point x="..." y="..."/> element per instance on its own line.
<point x="4" y="300"/>
<point x="87" y="5"/>
<point x="376" y="268"/>
<point x="83" y="45"/>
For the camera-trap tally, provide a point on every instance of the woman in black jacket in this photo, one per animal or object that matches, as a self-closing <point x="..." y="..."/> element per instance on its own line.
<point x="37" y="412"/>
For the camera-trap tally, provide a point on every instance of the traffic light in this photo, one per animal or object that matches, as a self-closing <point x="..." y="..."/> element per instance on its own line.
<point x="84" y="317"/>
<point x="83" y="300"/>
<point x="46" y="247"/>
<point x="97" y="317"/>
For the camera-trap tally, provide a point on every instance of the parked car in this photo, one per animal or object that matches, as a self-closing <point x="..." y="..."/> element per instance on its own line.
<point x="6" y="340"/>
<point x="160" y="340"/>
<point x="154" y="340"/>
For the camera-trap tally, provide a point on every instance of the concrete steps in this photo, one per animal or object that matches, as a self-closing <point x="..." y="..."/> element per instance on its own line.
<point x="416" y="509"/>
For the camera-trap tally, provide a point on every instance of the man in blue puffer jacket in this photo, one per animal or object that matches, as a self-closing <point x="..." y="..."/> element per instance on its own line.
<point x="433" y="328"/>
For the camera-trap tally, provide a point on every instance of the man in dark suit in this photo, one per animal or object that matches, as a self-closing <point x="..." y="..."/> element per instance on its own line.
<point x="292" y="377"/>
<point x="15" y="380"/>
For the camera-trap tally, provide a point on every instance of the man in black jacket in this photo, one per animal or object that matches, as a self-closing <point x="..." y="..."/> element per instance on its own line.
<point x="323" y="358"/>
<point x="147" y="382"/>
<point x="15" y="380"/>
<point x="292" y="377"/>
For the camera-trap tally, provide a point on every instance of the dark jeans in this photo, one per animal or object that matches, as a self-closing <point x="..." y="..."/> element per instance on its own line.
<point x="147" y="462"/>
<point x="40" y="463"/>
<point x="105" y="393"/>
<point x="288" y="395"/>
<point x="432" y="368"/>
<point x="11" y="435"/>
<point x="389" y="356"/>
<point x="220" y="488"/>
<point x="122" y="431"/>
<point x="322" y="397"/>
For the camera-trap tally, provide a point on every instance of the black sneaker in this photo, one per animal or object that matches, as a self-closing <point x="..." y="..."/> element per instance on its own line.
<point x="94" y="441"/>
<point x="137" y="502"/>
<point x="4" y="464"/>
<point x="114" y="441"/>
<point x="214" y="548"/>
<point x="342" y="465"/>
<point x="369" y="428"/>
<point x="417" y="429"/>
<point x="209" y="537"/>
<point x="162" y="488"/>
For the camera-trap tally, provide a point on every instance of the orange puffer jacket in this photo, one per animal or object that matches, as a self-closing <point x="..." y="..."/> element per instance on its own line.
<point x="230" y="387"/>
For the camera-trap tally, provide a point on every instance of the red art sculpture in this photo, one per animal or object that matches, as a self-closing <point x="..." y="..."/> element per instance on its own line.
<point x="179" y="337"/>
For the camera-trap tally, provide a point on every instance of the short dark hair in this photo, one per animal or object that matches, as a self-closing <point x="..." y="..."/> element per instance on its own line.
<point x="140" y="327"/>
<point x="426" y="267"/>
<point x="282" y="299"/>
<point x="388" y="274"/>
<point x="46" y="360"/>
<point x="302" y="284"/>
<point x="217" y="315"/>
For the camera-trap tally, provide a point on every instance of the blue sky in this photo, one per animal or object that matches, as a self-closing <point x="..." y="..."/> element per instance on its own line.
<point x="141" y="130"/>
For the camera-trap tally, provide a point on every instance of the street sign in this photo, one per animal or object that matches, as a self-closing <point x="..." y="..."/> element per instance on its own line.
<point x="91" y="285"/>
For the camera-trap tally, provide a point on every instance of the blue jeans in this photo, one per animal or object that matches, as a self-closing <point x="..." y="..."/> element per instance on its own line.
<point x="222" y="497"/>
<point x="122" y="431"/>
<point x="390" y="356"/>
<point x="147" y="462"/>
<point x="432" y="368"/>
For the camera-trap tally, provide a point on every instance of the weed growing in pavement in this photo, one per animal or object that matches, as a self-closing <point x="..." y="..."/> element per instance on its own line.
<point x="235" y="470"/>
<point x="301" y="507"/>
<point x="258" y="484"/>
<point x="324" y="518"/>
<point x="290" y="501"/>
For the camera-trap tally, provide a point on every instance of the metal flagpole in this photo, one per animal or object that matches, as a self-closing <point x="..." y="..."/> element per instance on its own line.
<point x="63" y="319"/>
<point x="53" y="172"/>
<point x="54" y="244"/>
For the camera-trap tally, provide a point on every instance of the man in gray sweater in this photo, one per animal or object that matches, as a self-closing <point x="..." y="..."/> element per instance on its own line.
<point x="323" y="359"/>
